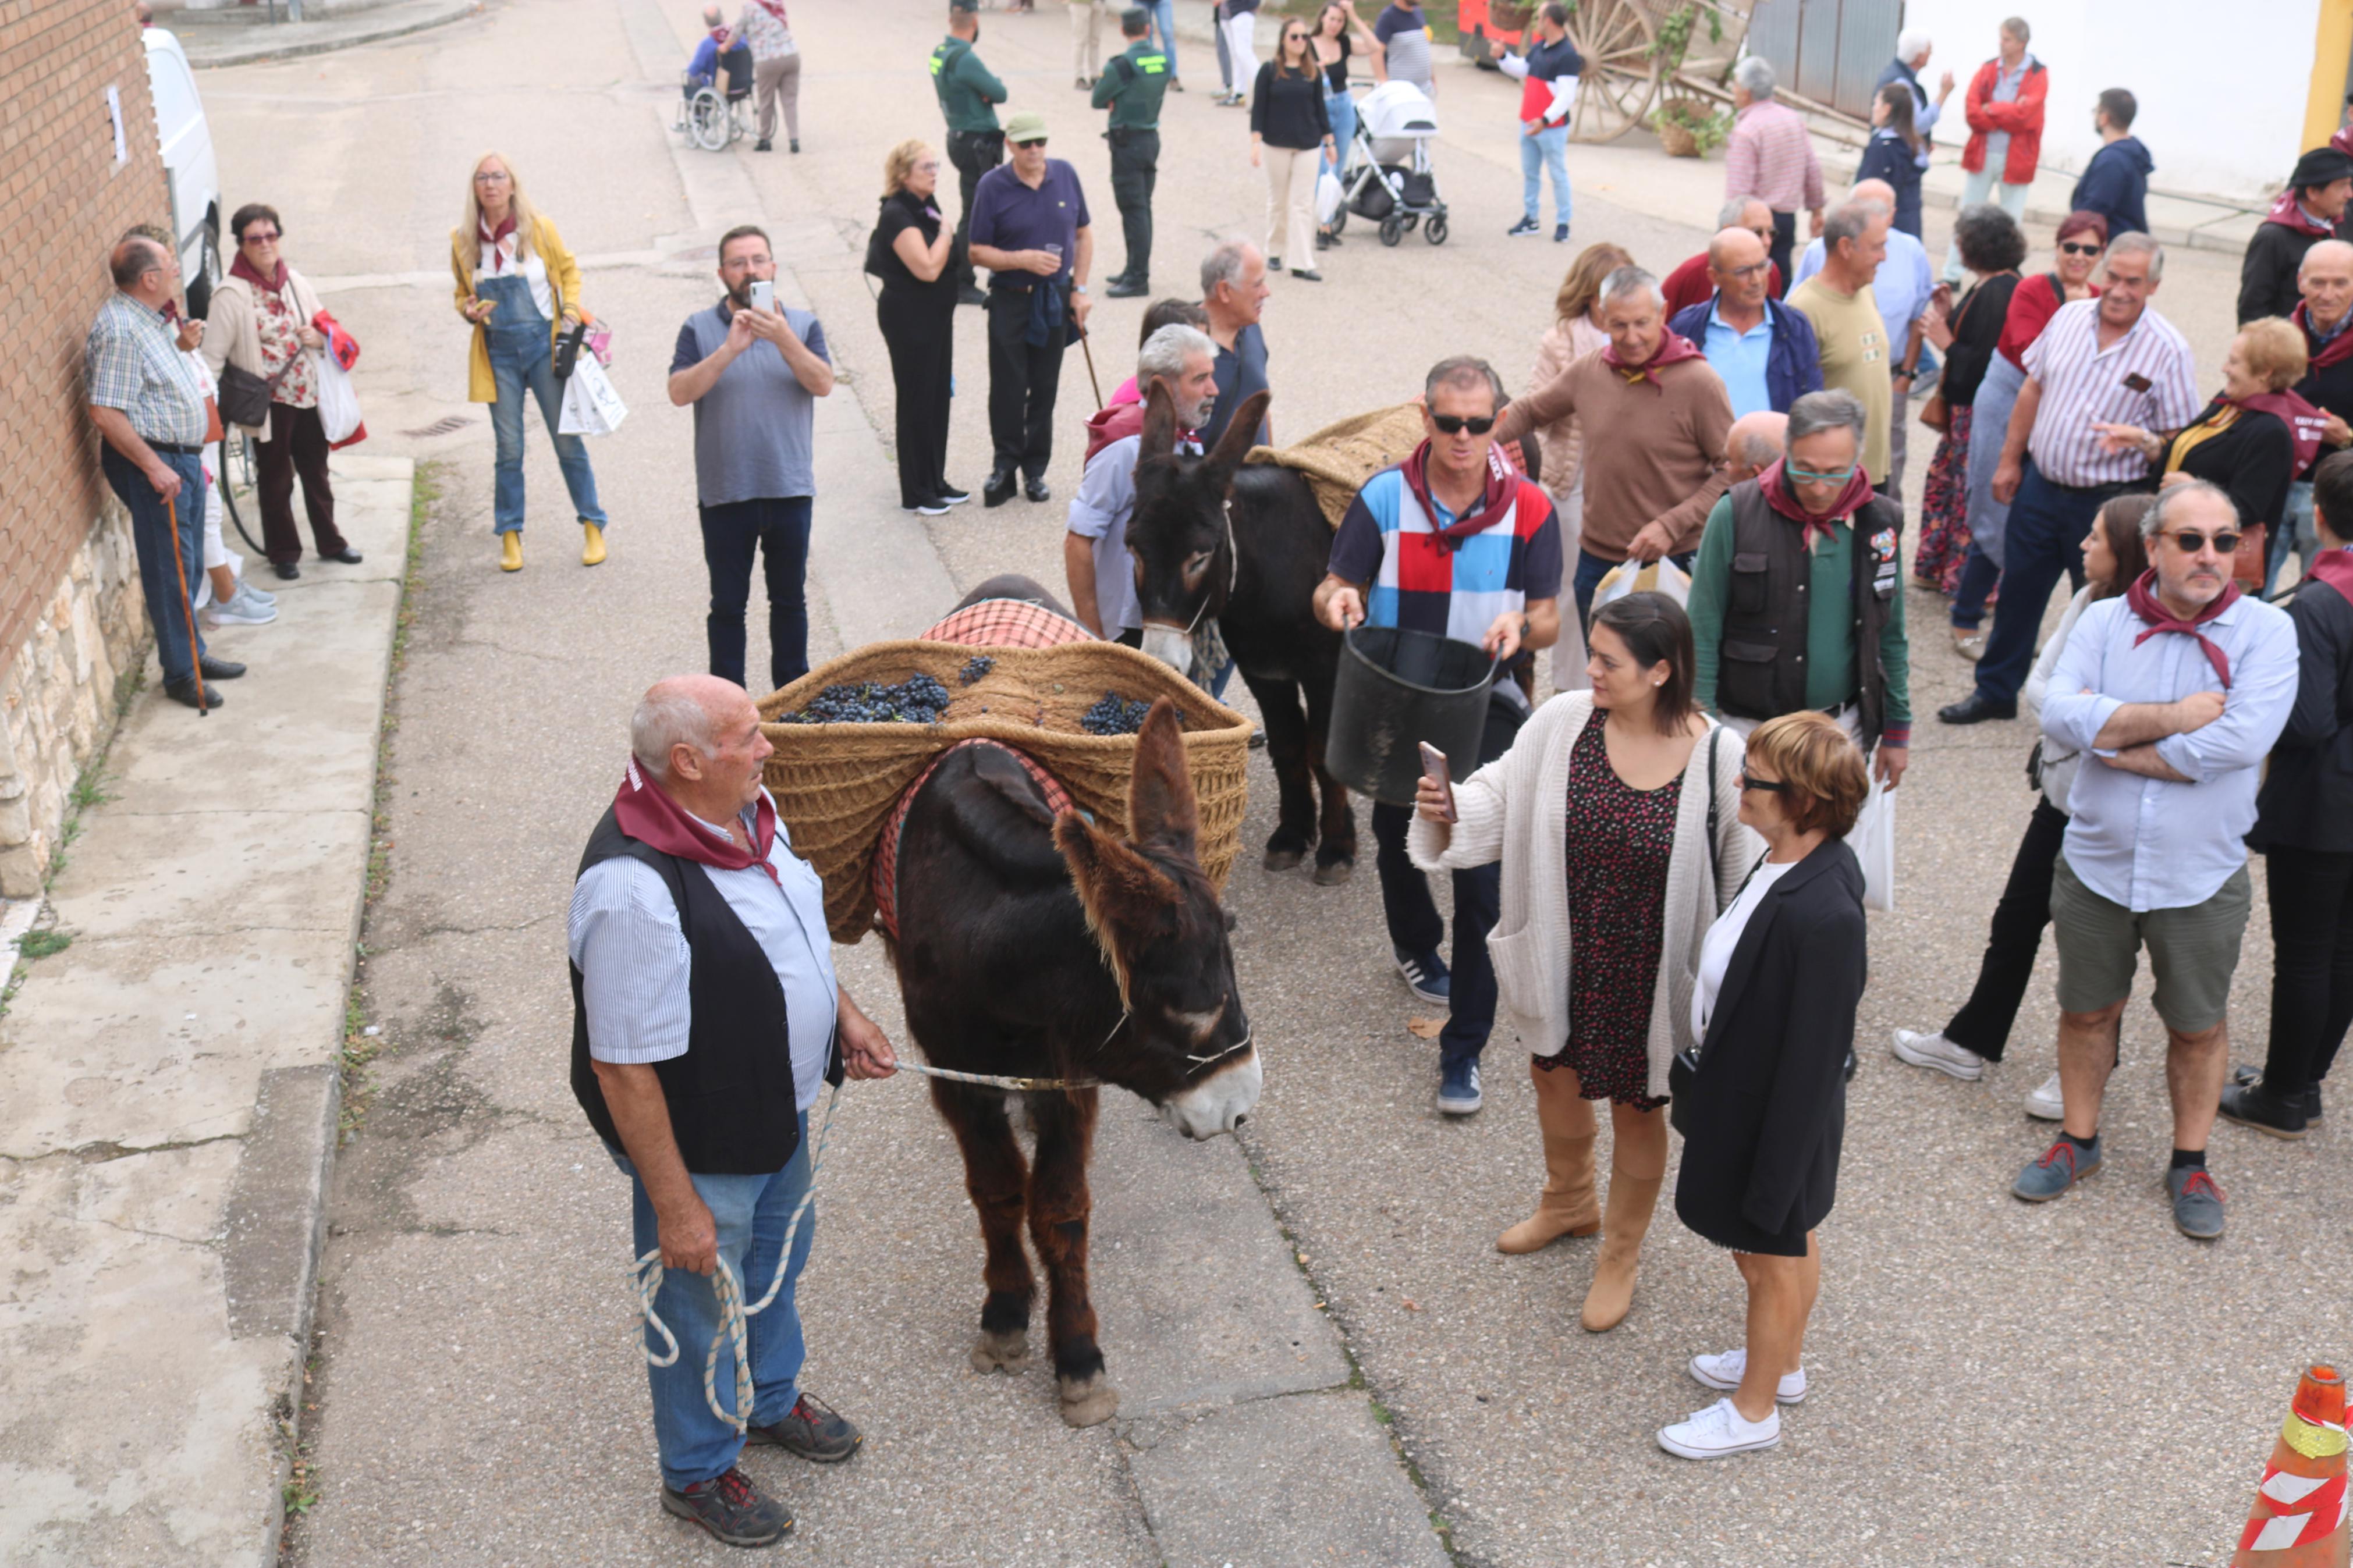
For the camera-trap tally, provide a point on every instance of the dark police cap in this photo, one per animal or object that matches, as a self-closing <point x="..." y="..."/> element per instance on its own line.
<point x="1135" y="19"/>
<point x="963" y="7"/>
<point x="2321" y="167"/>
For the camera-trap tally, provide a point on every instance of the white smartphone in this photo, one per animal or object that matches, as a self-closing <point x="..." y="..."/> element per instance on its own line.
<point x="1435" y="769"/>
<point x="763" y="296"/>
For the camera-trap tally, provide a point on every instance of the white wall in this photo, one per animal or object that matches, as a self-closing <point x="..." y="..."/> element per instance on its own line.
<point x="2222" y="86"/>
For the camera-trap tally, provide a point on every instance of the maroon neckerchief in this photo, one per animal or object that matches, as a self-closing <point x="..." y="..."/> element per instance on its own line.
<point x="491" y="241"/>
<point x="2343" y="140"/>
<point x="2142" y="597"/>
<point x="1782" y="499"/>
<point x="246" y="270"/>
<point x="645" y="813"/>
<point x="2333" y="567"/>
<point x="2288" y="213"/>
<point x="2334" y="351"/>
<point x="1503" y="488"/>
<point x="2305" y="423"/>
<point x="1674" y="348"/>
<point x="1121" y="420"/>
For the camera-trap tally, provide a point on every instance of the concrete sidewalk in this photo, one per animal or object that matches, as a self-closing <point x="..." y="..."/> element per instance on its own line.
<point x="169" y="1085"/>
<point x="238" y="38"/>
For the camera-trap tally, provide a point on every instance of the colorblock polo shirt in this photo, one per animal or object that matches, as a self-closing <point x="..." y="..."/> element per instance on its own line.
<point x="1422" y="582"/>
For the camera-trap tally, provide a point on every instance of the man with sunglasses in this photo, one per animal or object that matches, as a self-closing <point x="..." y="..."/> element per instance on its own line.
<point x="1456" y="543"/>
<point x="1029" y="228"/>
<point x="2174" y="693"/>
<point x="1763" y="350"/>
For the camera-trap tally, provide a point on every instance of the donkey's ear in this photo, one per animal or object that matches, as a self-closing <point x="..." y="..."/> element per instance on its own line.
<point x="1160" y="805"/>
<point x="1121" y="890"/>
<point x="1160" y="421"/>
<point x="1240" y="434"/>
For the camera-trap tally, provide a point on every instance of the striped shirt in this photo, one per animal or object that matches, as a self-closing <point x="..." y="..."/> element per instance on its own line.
<point x="135" y="364"/>
<point x="1770" y="157"/>
<point x="2144" y="378"/>
<point x="1385" y="540"/>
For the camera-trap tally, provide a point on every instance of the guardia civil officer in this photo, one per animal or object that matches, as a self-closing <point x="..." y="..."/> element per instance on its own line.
<point x="1132" y="88"/>
<point x="969" y="94"/>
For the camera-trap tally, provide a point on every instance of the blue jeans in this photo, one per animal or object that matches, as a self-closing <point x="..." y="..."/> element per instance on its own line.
<point x="1546" y="150"/>
<point x="2048" y="523"/>
<point x="779" y="531"/>
<point x="160" y="578"/>
<point x="1341" y="109"/>
<point x="1591" y="569"/>
<point x="1163" y="29"/>
<point x="750" y="1214"/>
<point x="2294" y="532"/>
<point x="520" y="359"/>
<point x="1978" y="577"/>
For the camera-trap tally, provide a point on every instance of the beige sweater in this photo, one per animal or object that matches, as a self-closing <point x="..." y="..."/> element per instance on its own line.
<point x="1515" y="810"/>
<point x="233" y="336"/>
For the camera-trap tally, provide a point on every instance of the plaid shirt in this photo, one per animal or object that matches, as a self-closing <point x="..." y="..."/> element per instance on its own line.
<point x="136" y="365"/>
<point x="1770" y="157"/>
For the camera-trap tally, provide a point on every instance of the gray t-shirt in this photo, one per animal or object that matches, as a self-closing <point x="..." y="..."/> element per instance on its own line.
<point x="1106" y="500"/>
<point x="754" y="430"/>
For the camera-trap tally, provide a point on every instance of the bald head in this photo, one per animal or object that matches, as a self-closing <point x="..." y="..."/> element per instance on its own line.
<point x="136" y="263"/>
<point x="713" y="18"/>
<point x="1754" y="444"/>
<point x="686" y="710"/>
<point x="1737" y="264"/>
<point x="1874" y="190"/>
<point x="2326" y="281"/>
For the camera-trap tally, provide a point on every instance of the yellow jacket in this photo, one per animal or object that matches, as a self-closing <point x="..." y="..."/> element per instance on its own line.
<point x="563" y="277"/>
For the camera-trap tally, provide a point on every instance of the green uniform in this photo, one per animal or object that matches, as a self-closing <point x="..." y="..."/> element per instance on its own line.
<point x="968" y="91"/>
<point x="1132" y="87"/>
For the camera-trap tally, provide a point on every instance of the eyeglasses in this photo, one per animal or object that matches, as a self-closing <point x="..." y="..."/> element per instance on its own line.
<point x="1756" y="269"/>
<point x="1455" y="424"/>
<point x="1770" y="786"/>
<point x="1808" y="476"/>
<point x="2069" y="247"/>
<point x="929" y="166"/>
<point x="269" y="238"/>
<point x="1040" y="141"/>
<point x="492" y="177"/>
<point x="2189" y="542"/>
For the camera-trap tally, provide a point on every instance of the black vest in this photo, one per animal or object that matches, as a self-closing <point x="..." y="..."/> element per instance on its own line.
<point x="732" y="1108"/>
<point x="1761" y="669"/>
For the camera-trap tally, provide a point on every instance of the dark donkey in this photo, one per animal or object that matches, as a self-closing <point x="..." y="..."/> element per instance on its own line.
<point x="1033" y="945"/>
<point x="1244" y="544"/>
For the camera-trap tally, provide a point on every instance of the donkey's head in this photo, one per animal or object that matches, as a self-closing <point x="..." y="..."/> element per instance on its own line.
<point x="1185" y="1044"/>
<point x="1178" y="535"/>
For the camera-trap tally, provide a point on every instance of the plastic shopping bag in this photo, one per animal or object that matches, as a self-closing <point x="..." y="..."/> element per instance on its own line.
<point x="1873" y="842"/>
<point x="338" y="403"/>
<point x="1660" y="576"/>
<point x="591" y="407"/>
<point x="1328" y="195"/>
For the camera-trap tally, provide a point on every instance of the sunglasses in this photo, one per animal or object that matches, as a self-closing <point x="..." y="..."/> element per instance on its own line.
<point x="1039" y="142"/>
<point x="2189" y="542"/>
<point x="1808" y="476"/>
<point x="269" y="238"/>
<point x="2069" y="247"/>
<point x="1455" y="424"/>
<point x="1770" y="786"/>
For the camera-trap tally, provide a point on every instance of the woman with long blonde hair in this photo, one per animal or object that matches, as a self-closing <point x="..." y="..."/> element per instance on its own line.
<point x="1576" y="331"/>
<point x="518" y="287"/>
<point x="912" y="252"/>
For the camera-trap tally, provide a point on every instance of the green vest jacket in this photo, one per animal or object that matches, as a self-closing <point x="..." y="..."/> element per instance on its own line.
<point x="968" y="93"/>
<point x="1132" y="86"/>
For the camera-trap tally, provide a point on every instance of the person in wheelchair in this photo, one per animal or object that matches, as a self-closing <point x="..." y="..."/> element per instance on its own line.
<point x="718" y="50"/>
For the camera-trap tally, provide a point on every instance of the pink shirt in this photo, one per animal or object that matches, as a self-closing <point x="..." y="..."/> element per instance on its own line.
<point x="1770" y="157"/>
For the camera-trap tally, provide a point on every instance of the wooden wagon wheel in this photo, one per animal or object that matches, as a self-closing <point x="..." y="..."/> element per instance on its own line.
<point x="1620" y="76"/>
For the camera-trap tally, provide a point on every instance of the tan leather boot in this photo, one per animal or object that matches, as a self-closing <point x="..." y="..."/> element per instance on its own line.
<point x="1631" y="1199"/>
<point x="1567" y="1206"/>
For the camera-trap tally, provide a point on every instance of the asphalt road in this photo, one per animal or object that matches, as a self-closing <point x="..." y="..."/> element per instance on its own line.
<point x="1993" y="1384"/>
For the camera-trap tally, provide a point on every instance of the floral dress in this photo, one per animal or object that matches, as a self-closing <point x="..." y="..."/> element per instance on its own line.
<point x="1944" y="510"/>
<point x="1620" y="840"/>
<point x="279" y="330"/>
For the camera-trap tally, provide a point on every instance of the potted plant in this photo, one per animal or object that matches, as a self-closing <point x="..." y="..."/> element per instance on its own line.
<point x="1690" y="127"/>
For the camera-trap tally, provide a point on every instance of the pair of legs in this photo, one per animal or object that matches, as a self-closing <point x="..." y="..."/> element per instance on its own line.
<point x="1638" y="1168"/>
<point x="1984" y="1021"/>
<point x="779" y="81"/>
<point x="918" y="330"/>
<point x="1086" y="38"/>
<point x="1982" y="186"/>
<point x="1546" y="152"/>
<point x="1163" y="14"/>
<point x="779" y="531"/>
<point x="1134" y="172"/>
<point x="165" y="581"/>
<point x="2311" y="894"/>
<point x="1240" y="34"/>
<point x="520" y="364"/>
<point x="2042" y="541"/>
<point x="297" y="446"/>
<point x="1023" y="379"/>
<point x="975" y="154"/>
<point x="1781" y="1296"/>
<point x="2294" y="534"/>
<point x="1785" y="240"/>
<point x="1290" y="203"/>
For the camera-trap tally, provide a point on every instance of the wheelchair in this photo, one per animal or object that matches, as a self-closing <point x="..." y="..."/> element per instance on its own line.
<point x="709" y="120"/>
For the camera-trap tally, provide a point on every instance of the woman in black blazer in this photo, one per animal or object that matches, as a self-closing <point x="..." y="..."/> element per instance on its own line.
<point x="1761" y="1101"/>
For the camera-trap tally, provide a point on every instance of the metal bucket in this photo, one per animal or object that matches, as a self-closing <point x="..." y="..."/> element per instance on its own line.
<point x="1395" y="689"/>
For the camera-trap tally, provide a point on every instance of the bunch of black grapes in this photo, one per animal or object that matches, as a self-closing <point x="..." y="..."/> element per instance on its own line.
<point x="1117" y="715"/>
<point x="920" y="700"/>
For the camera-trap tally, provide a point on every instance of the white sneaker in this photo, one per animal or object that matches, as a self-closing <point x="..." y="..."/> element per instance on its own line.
<point x="1726" y="1371"/>
<point x="1719" y="1430"/>
<point x="244" y="610"/>
<point x="1937" y="1052"/>
<point x="2046" y="1104"/>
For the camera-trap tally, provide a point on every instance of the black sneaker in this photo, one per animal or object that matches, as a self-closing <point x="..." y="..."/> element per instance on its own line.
<point x="814" y="1430"/>
<point x="1526" y="228"/>
<point x="1125" y="289"/>
<point x="928" y="507"/>
<point x="1038" y="491"/>
<point x="731" y="1508"/>
<point x="1560" y="234"/>
<point x="2252" y="1105"/>
<point x="998" y="490"/>
<point x="953" y="496"/>
<point x="2244" y="1075"/>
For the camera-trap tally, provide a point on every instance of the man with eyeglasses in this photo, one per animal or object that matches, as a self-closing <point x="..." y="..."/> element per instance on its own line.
<point x="1691" y="283"/>
<point x="2323" y="281"/>
<point x="2174" y="693"/>
<point x="1764" y="350"/>
<point x="1029" y="228"/>
<point x="1455" y="542"/>
<point x="2107" y="361"/>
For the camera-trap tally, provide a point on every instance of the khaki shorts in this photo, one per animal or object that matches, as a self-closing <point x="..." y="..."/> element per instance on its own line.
<point x="2193" y="951"/>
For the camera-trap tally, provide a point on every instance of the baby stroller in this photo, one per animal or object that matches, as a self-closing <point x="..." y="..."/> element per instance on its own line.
<point x="711" y="121"/>
<point x="1386" y="179"/>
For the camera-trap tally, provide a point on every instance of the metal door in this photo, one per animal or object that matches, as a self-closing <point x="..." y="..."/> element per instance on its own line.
<point x="1828" y="50"/>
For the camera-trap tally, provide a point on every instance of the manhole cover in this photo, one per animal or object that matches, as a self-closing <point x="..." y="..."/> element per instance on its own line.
<point x="439" y="426"/>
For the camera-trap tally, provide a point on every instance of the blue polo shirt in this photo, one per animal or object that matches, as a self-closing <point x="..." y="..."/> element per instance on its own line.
<point x="1739" y="358"/>
<point x="1009" y="216"/>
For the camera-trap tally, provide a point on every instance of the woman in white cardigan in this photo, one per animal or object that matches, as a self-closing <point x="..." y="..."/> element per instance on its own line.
<point x="1616" y="816"/>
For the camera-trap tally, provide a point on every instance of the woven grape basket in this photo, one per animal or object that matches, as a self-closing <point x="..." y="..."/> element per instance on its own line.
<point x="1510" y="16"/>
<point x="835" y="785"/>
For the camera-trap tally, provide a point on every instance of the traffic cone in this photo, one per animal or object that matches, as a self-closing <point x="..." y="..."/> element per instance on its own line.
<point x="2299" y="1516"/>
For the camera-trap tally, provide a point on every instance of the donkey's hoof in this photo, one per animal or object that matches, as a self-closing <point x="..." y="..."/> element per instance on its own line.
<point x="1089" y="1399"/>
<point x="1332" y="873"/>
<point x="1285" y="859"/>
<point x="1006" y="1351"/>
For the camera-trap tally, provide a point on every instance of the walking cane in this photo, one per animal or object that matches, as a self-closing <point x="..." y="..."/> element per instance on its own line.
<point x="1086" y="348"/>
<point x="187" y="607"/>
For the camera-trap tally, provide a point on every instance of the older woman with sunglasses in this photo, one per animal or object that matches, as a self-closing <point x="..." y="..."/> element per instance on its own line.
<point x="260" y="320"/>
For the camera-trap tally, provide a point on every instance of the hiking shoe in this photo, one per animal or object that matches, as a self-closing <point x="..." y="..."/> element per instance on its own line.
<point x="2046" y="1103"/>
<point x="1726" y="1371"/>
<point x="2061" y="1167"/>
<point x="1458" y="1087"/>
<point x="1525" y="229"/>
<point x="731" y="1508"/>
<point x="1425" y="975"/>
<point x="1719" y="1430"/>
<point x="2197" y="1201"/>
<point x="814" y="1430"/>
<point x="2245" y="1076"/>
<point x="1937" y="1052"/>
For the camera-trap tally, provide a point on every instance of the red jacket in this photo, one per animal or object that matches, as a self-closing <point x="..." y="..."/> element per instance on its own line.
<point x="2022" y="120"/>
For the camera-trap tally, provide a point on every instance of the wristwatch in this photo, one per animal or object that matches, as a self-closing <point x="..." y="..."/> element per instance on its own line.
<point x="1078" y="287"/>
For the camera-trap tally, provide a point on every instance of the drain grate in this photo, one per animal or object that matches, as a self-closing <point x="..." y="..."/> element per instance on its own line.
<point x="439" y="426"/>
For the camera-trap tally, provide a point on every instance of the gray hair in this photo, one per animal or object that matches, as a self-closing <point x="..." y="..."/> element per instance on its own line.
<point x="1729" y="215"/>
<point x="2132" y="242"/>
<point x="664" y="720"/>
<point x="1625" y="281"/>
<point x="1818" y="411"/>
<point x="1753" y="76"/>
<point x="1910" y="42"/>
<point x="1849" y="223"/>
<point x="132" y="258"/>
<point x="1754" y="447"/>
<point x="1165" y="353"/>
<point x="2017" y="28"/>
<point x="1223" y="265"/>
<point x="2153" y="521"/>
<point x="1462" y="370"/>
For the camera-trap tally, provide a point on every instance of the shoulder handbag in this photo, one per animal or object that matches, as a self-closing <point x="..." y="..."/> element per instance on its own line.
<point x="1935" y="412"/>
<point x="245" y="397"/>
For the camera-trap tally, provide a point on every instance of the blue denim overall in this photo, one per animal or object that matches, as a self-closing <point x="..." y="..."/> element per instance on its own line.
<point x="518" y="338"/>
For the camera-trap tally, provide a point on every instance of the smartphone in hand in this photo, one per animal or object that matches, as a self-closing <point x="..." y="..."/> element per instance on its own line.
<point x="1434" y="768"/>
<point x="763" y="296"/>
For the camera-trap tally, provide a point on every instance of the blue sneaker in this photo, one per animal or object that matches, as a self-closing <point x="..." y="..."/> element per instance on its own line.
<point x="1425" y="975"/>
<point x="1560" y="234"/>
<point x="1525" y="229"/>
<point x="2061" y="1167"/>
<point x="1458" y="1087"/>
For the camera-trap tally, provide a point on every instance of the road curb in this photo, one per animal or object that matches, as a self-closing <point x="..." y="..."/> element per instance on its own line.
<point x="278" y="45"/>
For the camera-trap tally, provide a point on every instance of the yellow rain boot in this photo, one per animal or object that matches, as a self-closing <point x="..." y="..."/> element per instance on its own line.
<point x="511" y="551"/>
<point x="592" y="544"/>
<point x="1631" y="1199"/>
<point x="1566" y="1205"/>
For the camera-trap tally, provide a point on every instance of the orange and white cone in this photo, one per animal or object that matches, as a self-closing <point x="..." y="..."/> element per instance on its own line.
<point x="2299" y="1518"/>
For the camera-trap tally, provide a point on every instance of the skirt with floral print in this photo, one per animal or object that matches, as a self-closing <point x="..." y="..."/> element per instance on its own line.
<point x="1944" y="510"/>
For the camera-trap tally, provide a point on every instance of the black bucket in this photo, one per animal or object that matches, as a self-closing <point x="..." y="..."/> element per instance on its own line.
<point x="1395" y="689"/>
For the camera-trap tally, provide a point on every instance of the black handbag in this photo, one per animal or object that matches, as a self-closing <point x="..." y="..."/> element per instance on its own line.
<point x="567" y="349"/>
<point x="244" y="397"/>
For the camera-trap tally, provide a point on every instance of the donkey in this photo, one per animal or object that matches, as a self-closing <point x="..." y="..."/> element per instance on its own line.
<point x="1038" y="945"/>
<point x="1244" y="544"/>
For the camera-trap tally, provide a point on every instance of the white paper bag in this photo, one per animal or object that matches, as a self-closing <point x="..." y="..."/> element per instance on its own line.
<point x="339" y="402"/>
<point x="591" y="407"/>
<point x="1660" y="576"/>
<point x="1873" y="842"/>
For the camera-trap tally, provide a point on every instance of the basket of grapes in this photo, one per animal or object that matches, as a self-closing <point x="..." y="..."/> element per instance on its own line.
<point x="853" y="734"/>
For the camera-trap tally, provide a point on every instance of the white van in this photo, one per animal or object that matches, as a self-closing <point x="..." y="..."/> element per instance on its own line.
<point x="193" y="175"/>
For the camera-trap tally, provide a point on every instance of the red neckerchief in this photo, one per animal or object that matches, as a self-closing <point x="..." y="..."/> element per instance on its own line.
<point x="2343" y="140"/>
<point x="246" y="270"/>
<point x="1503" y="488"/>
<point x="1673" y="349"/>
<point x="2334" y="351"/>
<point x="2333" y="567"/>
<point x="1121" y="420"/>
<point x="1784" y="499"/>
<point x="491" y="241"/>
<point x="2142" y="597"/>
<point x="645" y="813"/>
<point x="2305" y="423"/>
<point x="2288" y="213"/>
